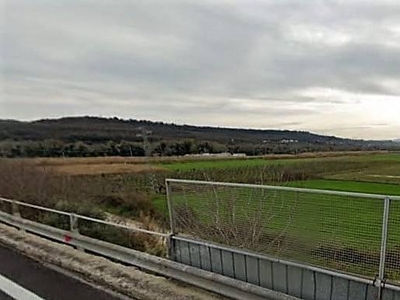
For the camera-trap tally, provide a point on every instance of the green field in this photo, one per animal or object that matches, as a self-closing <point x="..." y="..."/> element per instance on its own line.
<point x="233" y="163"/>
<point x="348" y="185"/>
<point x="339" y="173"/>
<point x="340" y="232"/>
<point x="230" y="162"/>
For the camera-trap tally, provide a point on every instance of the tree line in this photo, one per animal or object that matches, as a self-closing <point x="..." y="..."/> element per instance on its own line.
<point x="57" y="148"/>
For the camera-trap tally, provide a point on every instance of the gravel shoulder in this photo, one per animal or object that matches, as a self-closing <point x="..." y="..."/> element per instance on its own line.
<point x="100" y="271"/>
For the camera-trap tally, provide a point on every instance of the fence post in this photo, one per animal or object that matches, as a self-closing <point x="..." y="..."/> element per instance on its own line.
<point x="385" y="221"/>
<point x="74" y="227"/>
<point x="73" y="223"/>
<point x="170" y="242"/>
<point x="15" y="209"/>
<point x="170" y="207"/>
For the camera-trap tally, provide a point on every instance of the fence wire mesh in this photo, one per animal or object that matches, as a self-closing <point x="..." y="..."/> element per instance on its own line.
<point x="339" y="232"/>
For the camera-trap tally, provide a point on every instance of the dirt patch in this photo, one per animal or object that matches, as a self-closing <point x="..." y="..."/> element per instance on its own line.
<point x="104" y="168"/>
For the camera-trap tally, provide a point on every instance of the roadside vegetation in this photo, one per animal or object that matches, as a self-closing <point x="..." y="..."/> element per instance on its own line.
<point x="93" y="196"/>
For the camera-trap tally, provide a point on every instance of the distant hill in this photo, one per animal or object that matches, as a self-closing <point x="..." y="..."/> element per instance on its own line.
<point x="94" y="129"/>
<point x="89" y="131"/>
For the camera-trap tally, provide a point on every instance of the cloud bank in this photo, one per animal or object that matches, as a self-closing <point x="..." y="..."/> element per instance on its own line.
<point x="331" y="67"/>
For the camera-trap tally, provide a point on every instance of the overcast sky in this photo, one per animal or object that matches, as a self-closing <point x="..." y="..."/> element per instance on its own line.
<point x="331" y="67"/>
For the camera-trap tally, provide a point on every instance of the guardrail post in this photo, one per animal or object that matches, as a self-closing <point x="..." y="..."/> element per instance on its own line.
<point x="73" y="223"/>
<point x="170" y="247"/>
<point x="15" y="209"/>
<point x="16" y="213"/>
<point x="385" y="221"/>
<point x="74" y="227"/>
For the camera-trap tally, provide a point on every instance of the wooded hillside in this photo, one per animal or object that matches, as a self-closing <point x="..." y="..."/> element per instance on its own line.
<point x="94" y="136"/>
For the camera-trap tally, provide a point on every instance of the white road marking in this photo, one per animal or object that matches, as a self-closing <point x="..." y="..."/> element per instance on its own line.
<point x="15" y="291"/>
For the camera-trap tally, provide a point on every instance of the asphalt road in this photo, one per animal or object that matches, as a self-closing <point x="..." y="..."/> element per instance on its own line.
<point x="4" y="296"/>
<point x="20" y="274"/>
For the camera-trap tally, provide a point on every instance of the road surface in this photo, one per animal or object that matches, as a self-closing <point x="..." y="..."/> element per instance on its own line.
<point x="25" y="279"/>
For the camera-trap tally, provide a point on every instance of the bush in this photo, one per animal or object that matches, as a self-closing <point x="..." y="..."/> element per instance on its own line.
<point x="131" y="204"/>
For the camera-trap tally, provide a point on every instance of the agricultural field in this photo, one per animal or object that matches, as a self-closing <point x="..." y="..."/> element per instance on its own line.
<point x="114" y="177"/>
<point x="337" y="232"/>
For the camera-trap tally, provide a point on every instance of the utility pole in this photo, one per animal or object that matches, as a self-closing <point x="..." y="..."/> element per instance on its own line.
<point x="147" y="153"/>
<point x="146" y="145"/>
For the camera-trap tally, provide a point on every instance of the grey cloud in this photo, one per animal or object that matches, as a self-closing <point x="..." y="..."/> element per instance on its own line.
<point x="188" y="61"/>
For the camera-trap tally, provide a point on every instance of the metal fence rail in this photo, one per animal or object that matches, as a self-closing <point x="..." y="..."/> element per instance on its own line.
<point x="229" y="287"/>
<point x="392" y="254"/>
<point x="343" y="232"/>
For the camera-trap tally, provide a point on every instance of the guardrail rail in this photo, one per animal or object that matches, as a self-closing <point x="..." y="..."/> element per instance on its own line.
<point x="10" y="214"/>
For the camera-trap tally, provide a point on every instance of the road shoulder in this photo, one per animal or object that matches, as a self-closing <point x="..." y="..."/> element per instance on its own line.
<point x="126" y="280"/>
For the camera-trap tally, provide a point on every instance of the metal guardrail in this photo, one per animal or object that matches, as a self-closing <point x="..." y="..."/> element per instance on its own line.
<point x="213" y="282"/>
<point x="74" y="217"/>
<point x="241" y="252"/>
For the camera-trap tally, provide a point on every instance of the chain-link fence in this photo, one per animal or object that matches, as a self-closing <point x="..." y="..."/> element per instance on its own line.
<point x="335" y="230"/>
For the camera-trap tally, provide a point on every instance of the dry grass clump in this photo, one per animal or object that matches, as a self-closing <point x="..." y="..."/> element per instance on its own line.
<point x="59" y="161"/>
<point x="99" y="169"/>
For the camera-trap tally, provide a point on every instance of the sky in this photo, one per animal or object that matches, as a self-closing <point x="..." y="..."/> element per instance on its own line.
<point x="330" y="67"/>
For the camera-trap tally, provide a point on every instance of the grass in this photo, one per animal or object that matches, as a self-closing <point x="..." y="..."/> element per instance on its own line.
<point x="232" y="164"/>
<point x="392" y="157"/>
<point x="348" y="186"/>
<point x="281" y="160"/>
<point x="160" y="203"/>
<point x="308" y="215"/>
<point x="220" y="164"/>
<point x="387" y="172"/>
